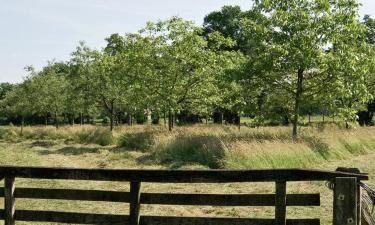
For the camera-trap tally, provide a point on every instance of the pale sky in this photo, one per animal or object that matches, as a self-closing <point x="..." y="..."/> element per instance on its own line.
<point x="34" y="31"/>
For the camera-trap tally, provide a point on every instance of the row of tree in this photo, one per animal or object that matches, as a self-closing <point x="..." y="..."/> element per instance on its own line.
<point x="277" y="60"/>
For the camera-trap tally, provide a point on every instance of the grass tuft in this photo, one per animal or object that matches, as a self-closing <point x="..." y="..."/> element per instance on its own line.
<point x="138" y="141"/>
<point x="186" y="149"/>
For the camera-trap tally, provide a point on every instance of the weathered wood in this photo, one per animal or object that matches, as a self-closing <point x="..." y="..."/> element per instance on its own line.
<point x="9" y="201"/>
<point x="135" y="203"/>
<point x="86" y="218"/>
<point x="228" y="200"/>
<point x="159" y="220"/>
<point x="175" y="176"/>
<point x="280" y="199"/>
<point x="303" y="199"/>
<point x="280" y="208"/>
<point x="345" y="201"/>
<point x="166" y="199"/>
<point x="67" y="194"/>
<point x="359" y="192"/>
<point x="359" y="205"/>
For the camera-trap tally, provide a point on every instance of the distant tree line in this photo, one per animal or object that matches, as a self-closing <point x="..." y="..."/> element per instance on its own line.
<point x="274" y="62"/>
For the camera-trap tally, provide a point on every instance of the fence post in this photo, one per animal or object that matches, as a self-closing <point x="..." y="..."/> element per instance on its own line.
<point x="280" y="203"/>
<point x="9" y="201"/>
<point x="359" y="205"/>
<point x="135" y="203"/>
<point x="345" y="209"/>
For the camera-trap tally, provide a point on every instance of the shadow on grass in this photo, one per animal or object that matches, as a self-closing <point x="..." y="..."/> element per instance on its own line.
<point x="317" y="145"/>
<point x="44" y="144"/>
<point x="354" y="148"/>
<point x="148" y="159"/>
<point x="71" y="151"/>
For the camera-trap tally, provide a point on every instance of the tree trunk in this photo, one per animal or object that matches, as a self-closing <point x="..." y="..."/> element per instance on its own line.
<point x="165" y="119"/>
<point x="111" y="118"/>
<point x="174" y="122"/>
<point x="149" y="117"/>
<point x="22" y="124"/>
<point x="130" y="119"/>
<point x="170" y="120"/>
<point x="81" y="118"/>
<point x="46" y="120"/>
<point x="239" y="122"/>
<point x="309" y="118"/>
<point x="297" y="102"/>
<point x="56" y="121"/>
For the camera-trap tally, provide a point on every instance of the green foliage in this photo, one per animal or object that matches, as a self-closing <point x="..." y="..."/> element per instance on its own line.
<point x="300" y="45"/>
<point x="272" y="63"/>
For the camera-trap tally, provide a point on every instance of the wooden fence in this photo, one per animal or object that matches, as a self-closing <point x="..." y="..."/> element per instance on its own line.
<point x="346" y="195"/>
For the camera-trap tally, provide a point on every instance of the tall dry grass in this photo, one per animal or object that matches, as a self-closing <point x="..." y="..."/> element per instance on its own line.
<point x="216" y="146"/>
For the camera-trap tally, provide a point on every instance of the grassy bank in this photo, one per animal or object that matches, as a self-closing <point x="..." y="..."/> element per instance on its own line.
<point x="187" y="147"/>
<point x="210" y="146"/>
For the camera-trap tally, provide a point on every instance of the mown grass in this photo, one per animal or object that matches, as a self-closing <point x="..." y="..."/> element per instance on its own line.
<point x="187" y="147"/>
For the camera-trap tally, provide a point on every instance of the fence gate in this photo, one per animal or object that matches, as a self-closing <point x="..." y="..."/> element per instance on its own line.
<point x="346" y="195"/>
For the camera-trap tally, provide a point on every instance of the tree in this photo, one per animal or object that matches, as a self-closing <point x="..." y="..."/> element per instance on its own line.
<point x="49" y="91"/>
<point x="365" y="116"/>
<point x="115" y="44"/>
<point x="300" y="41"/>
<point x="17" y="102"/>
<point x="228" y="23"/>
<point x="186" y="70"/>
<point x="115" y="78"/>
<point x="80" y="99"/>
<point x="4" y="89"/>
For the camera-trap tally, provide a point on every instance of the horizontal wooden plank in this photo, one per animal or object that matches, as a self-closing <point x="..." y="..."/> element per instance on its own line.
<point x="166" y="198"/>
<point x="228" y="200"/>
<point x="159" y="220"/>
<point x="67" y="194"/>
<point x="68" y="217"/>
<point x="85" y="218"/>
<point x="175" y="176"/>
<point x="303" y="199"/>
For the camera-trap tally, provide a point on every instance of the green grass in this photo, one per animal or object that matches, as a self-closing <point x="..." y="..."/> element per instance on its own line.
<point x="189" y="147"/>
<point x="214" y="146"/>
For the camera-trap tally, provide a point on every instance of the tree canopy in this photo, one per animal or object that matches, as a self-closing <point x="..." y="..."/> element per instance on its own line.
<point x="276" y="61"/>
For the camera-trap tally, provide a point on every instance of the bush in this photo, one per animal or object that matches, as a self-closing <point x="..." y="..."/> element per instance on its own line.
<point x="100" y="136"/>
<point x="204" y="150"/>
<point x="43" y="133"/>
<point x="138" y="141"/>
<point x="10" y="133"/>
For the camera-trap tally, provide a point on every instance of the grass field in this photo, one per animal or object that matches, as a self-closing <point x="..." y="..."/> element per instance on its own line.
<point x="209" y="146"/>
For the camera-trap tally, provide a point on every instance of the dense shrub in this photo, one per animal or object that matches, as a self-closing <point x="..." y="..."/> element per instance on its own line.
<point x="141" y="141"/>
<point x="185" y="149"/>
<point x="101" y="136"/>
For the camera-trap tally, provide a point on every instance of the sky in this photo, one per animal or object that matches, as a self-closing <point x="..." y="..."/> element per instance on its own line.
<point x="33" y="32"/>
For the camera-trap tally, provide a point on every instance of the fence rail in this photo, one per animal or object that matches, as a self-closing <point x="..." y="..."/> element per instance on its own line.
<point x="345" y="207"/>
